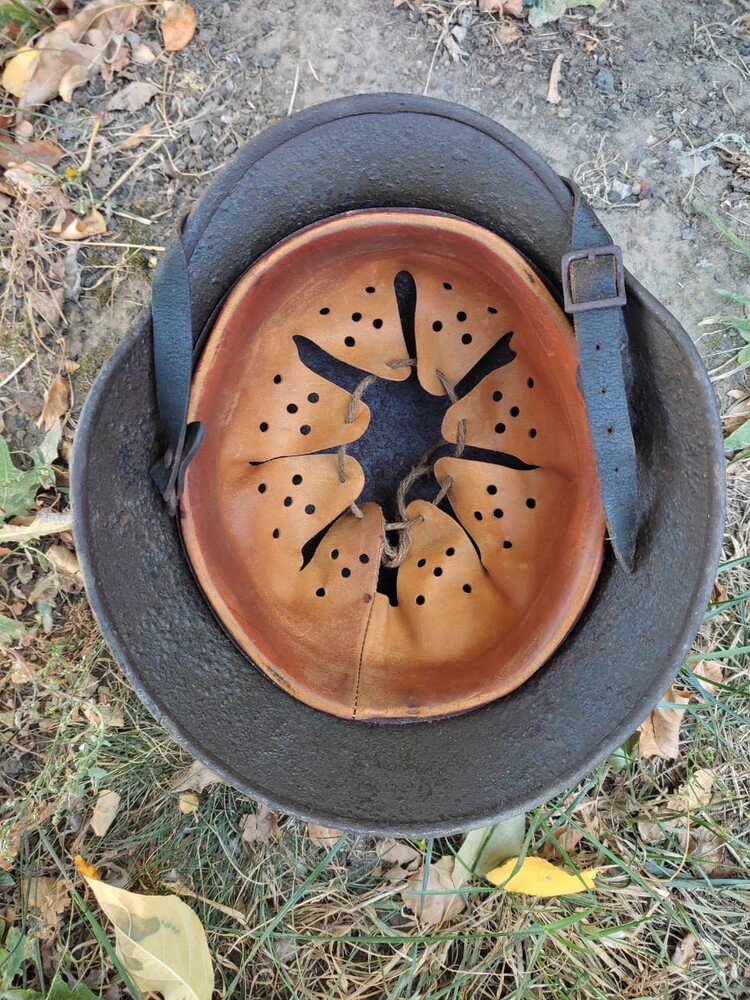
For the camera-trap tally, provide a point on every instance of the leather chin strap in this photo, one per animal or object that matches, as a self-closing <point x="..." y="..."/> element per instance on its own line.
<point x="593" y="282"/>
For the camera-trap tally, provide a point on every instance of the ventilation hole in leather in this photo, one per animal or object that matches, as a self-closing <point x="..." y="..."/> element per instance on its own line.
<point x="500" y="428"/>
<point x="288" y="501"/>
<point x="466" y="588"/>
<point x="447" y="286"/>
<point x="305" y="429"/>
<point x="478" y="515"/>
<point x="350" y="341"/>
<point x="531" y="503"/>
<point x="263" y="427"/>
<point x="346" y="572"/>
<point x="296" y="480"/>
<point x="320" y="592"/>
<point x="598" y="347"/>
<point x="492" y="489"/>
<point x="370" y="290"/>
<point x="532" y="432"/>
<point x="262" y="487"/>
<point x="450" y="552"/>
<point x="497" y="395"/>
<point x="334" y="553"/>
<point x="356" y="317"/>
<point x="310" y="508"/>
<point x="420" y="600"/>
<point x="491" y="309"/>
<point x="530" y="383"/>
<point x="610" y="430"/>
<point x="276" y="533"/>
<point x="497" y="512"/>
<point x="466" y="338"/>
<point x="438" y="571"/>
<point x="324" y="311"/>
<point x="514" y="411"/>
<point x="421" y="563"/>
<point x="437" y="326"/>
<point x="277" y="379"/>
<point x="313" y="397"/>
<point x="377" y="323"/>
<point x="507" y="544"/>
<point x="364" y="558"/>
<point x="604" y="392"/>
<point x="292" y="408"/>
<point x="461" y="316"/>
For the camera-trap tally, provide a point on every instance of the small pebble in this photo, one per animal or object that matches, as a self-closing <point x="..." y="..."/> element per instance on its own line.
<point x="605" y="81"/>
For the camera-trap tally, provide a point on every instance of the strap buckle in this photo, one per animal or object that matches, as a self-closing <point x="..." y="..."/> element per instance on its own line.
<point x="589" y="255"/>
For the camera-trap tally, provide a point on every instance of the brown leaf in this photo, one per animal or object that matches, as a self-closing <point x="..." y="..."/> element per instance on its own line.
<point x="132" y="97"/>
<point x="685" y="951"/>
<point x="105" y="811"/>
<point x="48" y="898"/>
<point x="553" y="91"/>
<point x="195" y="778"/>
<point x="506" y="33"/>
<point x="30" y="155"/>
<point x="72" y="227"/>
<point x="444" y="906"/>
<point x="660" y="731"/>
<point x="323" y="836"/>
<point x="710" y="675"/>
<point x="395" y="852"/>
<point x="63" y="559"/>
<point x="513" y="7"/>
<point x="177" y="26"/>
<point x="134" y="141"/>
<point x="56" y="402"/>
<point x="70" y="54"/>
<point x="568" y="838"/>
<point x="260" y="827"/>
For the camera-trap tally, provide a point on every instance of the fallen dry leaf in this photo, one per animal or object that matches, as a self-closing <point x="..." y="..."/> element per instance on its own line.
<point x="395" y="852"/>
<point x="553" y="91"/>
<point x="159" y="940"/>
<point x="48" y="898"/>
<point x="63" y="559"/>
<point x="323" y="836"/>
<point x="260" y="827"/>
<point x="195" y="778"/>
<point x="46" y="522"/>
<point x="660" y="731"/>
<point x="71" y="53"/>
<point x="132" y="97"/>
<point x="514" y="7"/>
<point x="56" y="402"/>
<point x="144" y="55"/>
<point x="537" y="877"/>
<point x="85" y="868"/>
<point x="485" y="848"/>
<point x="685" y="951"/>
<point x="568" y="838"/>
<point x="188" y="803"/>
<point x="177" y="25"/>
<point x="105" y="811"/>
<point x="72" y="227"/>
<point x="434" y="903"/>
<point x="133" y="141"/>
<point x="710" y="675"/>
<point x="30" y="155"/>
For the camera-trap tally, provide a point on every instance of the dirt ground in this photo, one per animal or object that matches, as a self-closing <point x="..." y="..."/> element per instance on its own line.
<point x="654" y="123"/>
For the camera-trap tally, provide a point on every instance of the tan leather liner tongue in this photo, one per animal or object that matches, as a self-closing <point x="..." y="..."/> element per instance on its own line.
<point x="353" y="315"/>
<point x="289" y="410"/>
<point x="456" y="322"/>
<point x="513" y="516"/>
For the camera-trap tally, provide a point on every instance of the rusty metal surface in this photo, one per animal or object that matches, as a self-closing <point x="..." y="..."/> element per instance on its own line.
<point x="450" y="774"/>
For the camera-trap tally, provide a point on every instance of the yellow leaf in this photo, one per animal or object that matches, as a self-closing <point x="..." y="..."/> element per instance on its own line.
<point x="188" y="803"/>
<point x="160" y="941"/>
<point x="18" y="70"/>
<point x="85" y="868"/>
<point x="537" y="877"/>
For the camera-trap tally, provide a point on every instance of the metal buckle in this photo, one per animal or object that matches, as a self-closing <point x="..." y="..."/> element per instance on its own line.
<point x="590" y="254"/>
